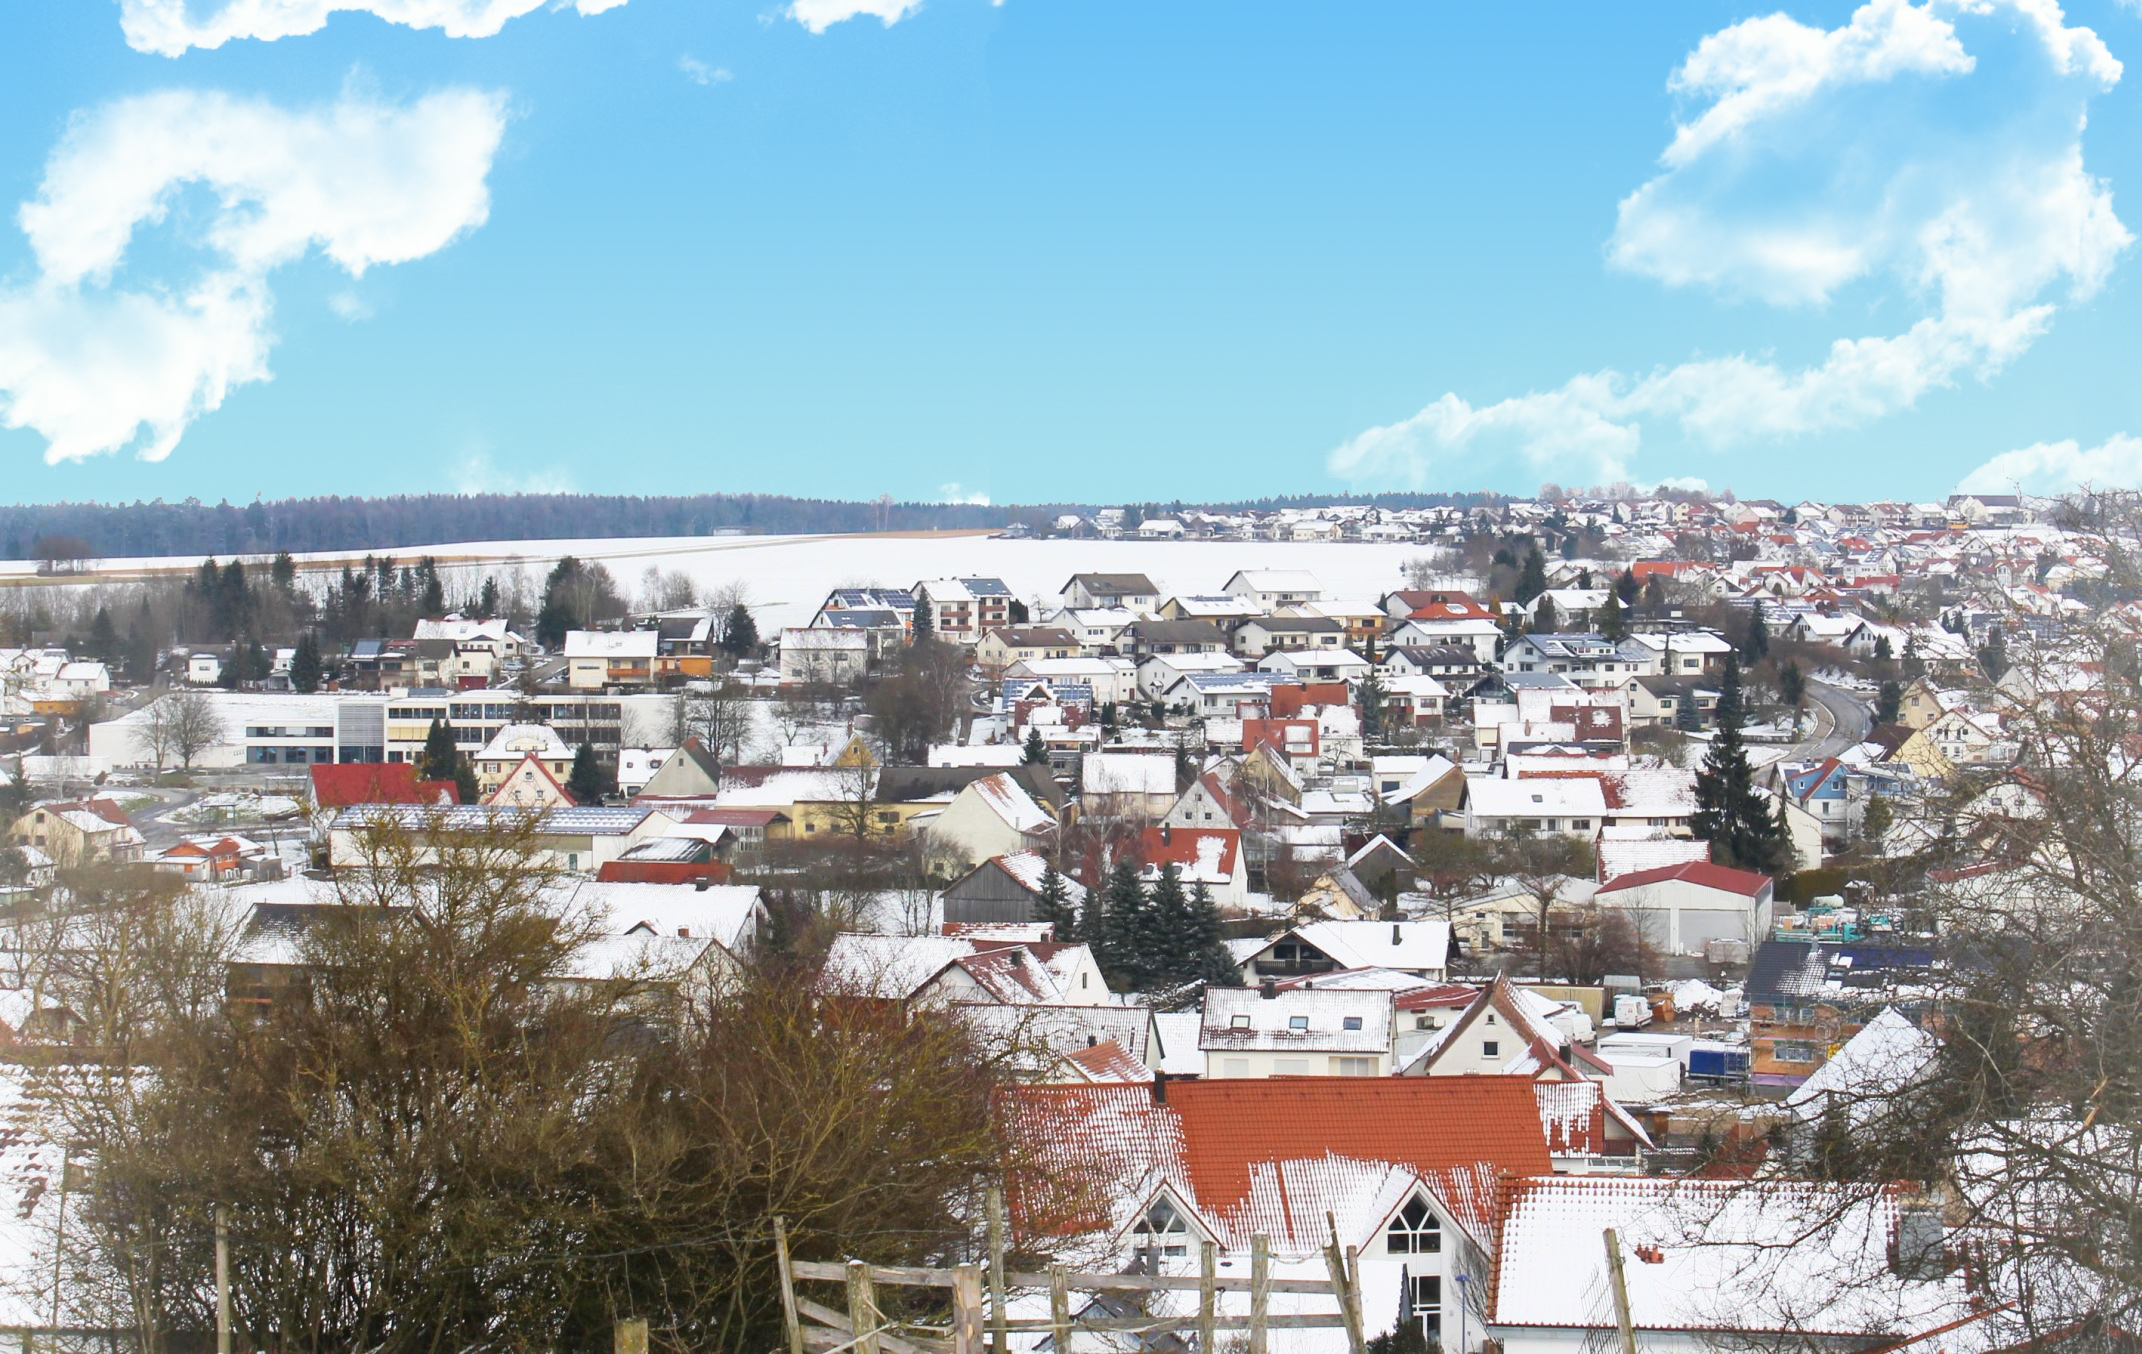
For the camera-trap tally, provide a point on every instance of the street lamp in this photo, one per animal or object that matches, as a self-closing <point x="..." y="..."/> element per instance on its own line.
<point x="1464" y="1285"/>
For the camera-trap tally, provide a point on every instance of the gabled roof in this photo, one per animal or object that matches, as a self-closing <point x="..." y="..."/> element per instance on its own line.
<point x="1702" y="873"/>
<point x="1271" y="1156"/>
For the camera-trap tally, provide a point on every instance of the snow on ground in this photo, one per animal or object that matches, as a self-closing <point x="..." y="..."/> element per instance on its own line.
<point x="788" y="576"/>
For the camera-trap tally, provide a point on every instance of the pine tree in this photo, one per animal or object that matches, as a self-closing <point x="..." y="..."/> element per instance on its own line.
<point x="1532" y="578"/>
<point x="1613" y="622"/>
<point x="1037" y="752"/>
<point x="436" y="761"/>
<point x="586" y="783"/>
<point x="1171" y="954"/>
<point x="283" y="573"/>
<point x="464" y="778"/>
<point x="1755" y="643"/>
<point x="1625" y="587"/>
<point x="1993" y="654"/>
<point x="925" y="623"/>
<point x="740" y="639"/>
<point x="1544" y="619"/>
<point x="1212" y="962"/>
<point x="305" y="664"/>
<point x="1730" y="812"/>
<point x="1888" y="702"/>
<point x="1121" y="952"/>
<point x="487" y="600"/>
<point x="1053" y="905"/>
<point x="1370" y="697"/>
<point x="103" y="637"/>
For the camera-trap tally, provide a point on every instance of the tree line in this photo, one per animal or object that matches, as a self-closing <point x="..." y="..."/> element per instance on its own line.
<point x="74" y="531"/>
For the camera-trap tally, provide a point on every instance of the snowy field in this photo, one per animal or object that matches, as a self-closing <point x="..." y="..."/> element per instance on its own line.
<point x="786" y="577"/>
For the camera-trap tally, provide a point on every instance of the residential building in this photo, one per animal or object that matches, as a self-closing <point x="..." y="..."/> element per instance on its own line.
<point x="603" y="660"/>
<point x="962" y="610"/>
<point x="1301" y="1032"/>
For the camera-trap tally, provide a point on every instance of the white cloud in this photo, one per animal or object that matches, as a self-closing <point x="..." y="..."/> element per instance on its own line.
<point x="955" y="493"/>
<point x="2057" y="467"/>
<point x="819" y="15"/>
<point x="168" y="28"/>
<point x="348" y="305"/>
<point x="95" y="365"/>
<point x="700" y="73"/>
<point x="476" y="471"/>
<point x="1820" y="159"/>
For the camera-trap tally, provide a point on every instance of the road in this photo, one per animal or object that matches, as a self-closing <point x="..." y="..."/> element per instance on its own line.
<point x="1842" y="720"/>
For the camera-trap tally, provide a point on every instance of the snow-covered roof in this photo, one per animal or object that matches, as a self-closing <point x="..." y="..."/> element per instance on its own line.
<point x="611" y="643"/>
<point x="1302" y="1019"/>
<point x="1381" y="944"/>
<point x="1888" y="1054"/>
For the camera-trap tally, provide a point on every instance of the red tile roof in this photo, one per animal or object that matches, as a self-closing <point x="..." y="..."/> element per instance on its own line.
<point x="1212" y="1138"/>
<point x="1185" y="847"/>
<point x="1700" y="872"/>
<point x="338" y="787"/>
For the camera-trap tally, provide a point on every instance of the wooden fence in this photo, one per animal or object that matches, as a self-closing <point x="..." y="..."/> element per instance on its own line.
<point x="979" y="1319"/>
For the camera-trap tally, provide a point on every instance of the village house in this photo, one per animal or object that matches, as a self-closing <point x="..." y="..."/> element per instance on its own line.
<point x="962" y="610"/>
<point x="600" y="660"/>
<point x="1130" y="592"/>
<point x="80" y="832"/>
<point x="1301" y="1032"/>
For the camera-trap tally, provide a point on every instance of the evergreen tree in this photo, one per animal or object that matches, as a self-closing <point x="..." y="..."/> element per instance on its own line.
<point x="103" y="637"/>
<point x="586" y="783"/>
<point x="1613" y="621"/>
<point x="1369" y="698"/>
<point x="740" y="638"/>
<point x="1037" y="752"/>
<point x="1755" y="641"/>
<point x="925" y="626"/>
<point x="1532" y="578"/>
<point x="1993" y="654"/>
<point x="436" y="761"/>
<point x="1625" y="587"/>
<point x="1122" y="948"/>
<point x="141" y="647"/>
<point x="1792" y="685"/>
<point x="1544" y="618"/>
<point x="464" y="777"/>
<point x="305" y="664"/>
<point x="1730" y="812"/>
<point x="1171" y="952"/>
<point x="560" y="612"/>
<point x="283" y="573"/>
<point x="1054" y="905"/>
<point x="1888" y="702"/>
<point x="1883" y="649"/>
<point x="1914" y="661"/>
<point x="487" y="600"/>
<point x="432" y="600"/>
<point x="1212" y="962"/>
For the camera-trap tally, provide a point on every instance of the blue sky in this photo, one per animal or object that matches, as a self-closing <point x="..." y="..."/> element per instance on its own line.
<point x="1064" y="249"/>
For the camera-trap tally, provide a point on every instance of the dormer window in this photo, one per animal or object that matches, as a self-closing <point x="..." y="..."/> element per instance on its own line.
<point x="1415" y="1231"/>
<point x="1162" y="1229"/>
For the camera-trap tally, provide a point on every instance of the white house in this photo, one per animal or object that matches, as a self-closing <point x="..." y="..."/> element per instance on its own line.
<point x="1299" y="1032"/>
<point x="993" y="816"/>
<point x="823" y="657"/>
<point x="1496" y="807"/>
<point x="1273" y="588"/>
<point x="1683" y="906"/>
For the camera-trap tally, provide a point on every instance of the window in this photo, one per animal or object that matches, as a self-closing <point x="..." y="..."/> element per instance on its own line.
<point x="1490" y="1018"/>
<point x="1792" y="1051"/>
<point x="1297" y="1022"/>
<point x="1290" y="1067"/>
<point x="1415" y="1231"/>
<point x="1234" y="1067"/>
<point x="1240" y="1022"/>
<point x="1162" y="1229"/>
<point x="1353" y="1067"/>
<point x="1427" y="1304"/>
<point x="1489" y="1048"/>
<point x="1351" y="1023"/>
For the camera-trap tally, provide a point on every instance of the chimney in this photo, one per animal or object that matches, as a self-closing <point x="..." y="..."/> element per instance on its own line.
<point x="1394" y="933"/>
<point x="684" y="933"/>
<point x="1160" y="1087"/>
<point x="1166" y="834"/>
<point x="1268" y="989"/>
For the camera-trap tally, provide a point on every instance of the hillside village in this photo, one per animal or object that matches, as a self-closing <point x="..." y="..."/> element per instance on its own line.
<point x="1601" y="876"/>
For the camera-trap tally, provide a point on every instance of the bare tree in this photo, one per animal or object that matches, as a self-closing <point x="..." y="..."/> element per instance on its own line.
<point x="196" y="724"/>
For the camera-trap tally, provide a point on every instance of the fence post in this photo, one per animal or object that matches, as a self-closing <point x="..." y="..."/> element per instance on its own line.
<point x="1260" y="1290"/>
<point x="999" y="1333"/>
<point x="1060" y="1309"/>
<point x="1343" y="1285"/>
<point x="863" y="1308"/>
<point x="790" y="1319"/>
<point x="1208" y="1295"/>
<point x="967" y="1310"/>
<point x="630" y="1336"/>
